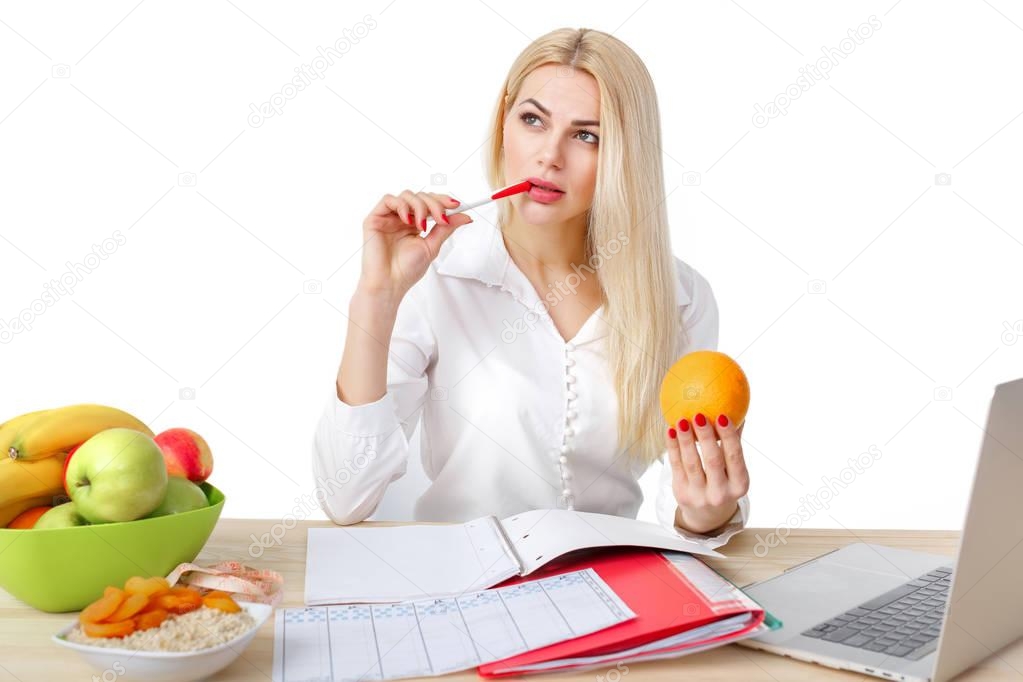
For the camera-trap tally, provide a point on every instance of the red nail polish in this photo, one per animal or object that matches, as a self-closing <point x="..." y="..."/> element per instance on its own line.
<point x="700" y="419"/>
<point x="422" y="224"/>
<point x="444" y="218"/>
<point x="456" y="202"/>
<point x="683" y="425"/>
<point x="672" y="433"/>
<point x="722" y="420"/>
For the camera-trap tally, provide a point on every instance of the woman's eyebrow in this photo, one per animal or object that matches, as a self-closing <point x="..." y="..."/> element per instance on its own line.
<point x="548" y="113"/>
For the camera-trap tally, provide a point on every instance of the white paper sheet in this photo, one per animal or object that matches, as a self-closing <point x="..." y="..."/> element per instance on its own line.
<point x="437" y="636"/>
<point x="541" y="535"/>
<point x="398" y="563"/>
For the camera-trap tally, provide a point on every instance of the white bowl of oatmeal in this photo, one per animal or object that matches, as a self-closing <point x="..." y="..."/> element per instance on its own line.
<point x="186" y="647"/>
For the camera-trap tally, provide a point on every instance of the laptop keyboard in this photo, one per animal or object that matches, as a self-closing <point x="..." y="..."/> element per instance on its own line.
<point x="903" y="622"/>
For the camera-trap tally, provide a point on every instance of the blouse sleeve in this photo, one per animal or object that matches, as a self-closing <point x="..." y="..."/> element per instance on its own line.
<point x="700" y="318"/>
<point x="358" y="450"/>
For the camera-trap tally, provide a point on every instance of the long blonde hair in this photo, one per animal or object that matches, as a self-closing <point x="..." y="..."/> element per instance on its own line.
<point x="638" y="283"/>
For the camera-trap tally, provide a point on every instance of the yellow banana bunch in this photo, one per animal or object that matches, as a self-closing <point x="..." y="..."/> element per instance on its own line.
<point x="9" y="429"/>
<point x="61" y="428"/>
<point x="24" y="485"/>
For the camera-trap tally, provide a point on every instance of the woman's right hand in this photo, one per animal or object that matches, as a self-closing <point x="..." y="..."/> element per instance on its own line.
<point x="394" y="255"/>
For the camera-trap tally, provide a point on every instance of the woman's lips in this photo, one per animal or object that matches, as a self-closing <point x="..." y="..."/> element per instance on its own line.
<point x="544" y="196"/>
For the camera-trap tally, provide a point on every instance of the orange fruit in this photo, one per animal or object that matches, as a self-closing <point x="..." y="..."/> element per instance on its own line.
<point x="27" y="519"/>
<point x="708" y="382"/>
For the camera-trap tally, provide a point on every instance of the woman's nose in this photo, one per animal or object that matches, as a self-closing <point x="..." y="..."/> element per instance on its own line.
<point x="550" y="154"/>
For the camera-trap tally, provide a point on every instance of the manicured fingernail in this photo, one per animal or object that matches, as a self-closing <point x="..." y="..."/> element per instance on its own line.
<point x="683" y="425"/>
<point x="672" y="433"/>
<point x="700" y="419"/>
<point x="456" y="202"/>
<point x="722" y="420"/>
<point x="422" y="224"/>
<point x="445" y="219"/>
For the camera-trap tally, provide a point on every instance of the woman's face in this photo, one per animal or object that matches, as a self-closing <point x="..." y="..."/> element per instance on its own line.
<point x="551" y="133"/>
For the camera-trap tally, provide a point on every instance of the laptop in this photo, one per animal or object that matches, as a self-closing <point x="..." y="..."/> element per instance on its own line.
<point x="906" y="615"/>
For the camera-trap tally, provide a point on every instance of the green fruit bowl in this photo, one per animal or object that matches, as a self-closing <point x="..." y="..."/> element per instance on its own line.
<point x="65" y="569"/>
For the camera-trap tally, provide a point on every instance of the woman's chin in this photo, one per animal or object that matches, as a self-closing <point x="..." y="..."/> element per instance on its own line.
<point x="536" y="213"/>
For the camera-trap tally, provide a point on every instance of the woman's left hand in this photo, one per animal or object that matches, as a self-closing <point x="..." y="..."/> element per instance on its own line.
<point x="707" y="492"/>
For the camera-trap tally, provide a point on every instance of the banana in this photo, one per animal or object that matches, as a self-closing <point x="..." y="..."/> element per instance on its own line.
<point x="11" y="511"/>
<point x="24" y="485"/>
<point x="60" y="429"/>
<point x="9" y="429"/>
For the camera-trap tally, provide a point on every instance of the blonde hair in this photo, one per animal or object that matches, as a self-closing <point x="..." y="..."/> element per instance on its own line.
<point x="638" y="283"/>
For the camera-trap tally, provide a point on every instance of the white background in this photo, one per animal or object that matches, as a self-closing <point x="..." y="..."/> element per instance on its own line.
<point x="919" y="283"/>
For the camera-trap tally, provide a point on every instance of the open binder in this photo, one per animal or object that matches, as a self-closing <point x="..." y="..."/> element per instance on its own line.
<point x="682" y="606"/>
<point x="396" y="563"/>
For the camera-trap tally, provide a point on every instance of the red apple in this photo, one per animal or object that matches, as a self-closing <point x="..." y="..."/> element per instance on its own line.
<point x="67" y="459"/>
<point x="186" y="454"/>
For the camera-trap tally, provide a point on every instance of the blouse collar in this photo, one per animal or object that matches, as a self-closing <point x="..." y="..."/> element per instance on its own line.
<point x="477" y="251"/>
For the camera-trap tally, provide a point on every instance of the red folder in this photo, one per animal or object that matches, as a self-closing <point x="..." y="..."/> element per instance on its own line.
<point x="665" y="602"/>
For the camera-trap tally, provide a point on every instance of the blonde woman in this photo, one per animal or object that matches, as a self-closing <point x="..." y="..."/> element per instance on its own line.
<point x="532" y="346"/>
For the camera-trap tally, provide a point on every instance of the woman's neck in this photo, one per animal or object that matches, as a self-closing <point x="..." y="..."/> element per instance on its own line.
<point x="546" y="251"/>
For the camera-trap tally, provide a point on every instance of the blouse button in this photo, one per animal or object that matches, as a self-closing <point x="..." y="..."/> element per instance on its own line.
<point x="563" y="459"/>
<point x="570" y="346"/>
<point x="570" y="378"/>
<point x="572" y="414"/>
<point x="569" y="361"/>
<point x="569" y="431"/>
<point x="567" y="493"/>
<point x="572" y="395"/>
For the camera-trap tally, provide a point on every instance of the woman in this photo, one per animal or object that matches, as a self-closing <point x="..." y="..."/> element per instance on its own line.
<point x="529" y="403"/>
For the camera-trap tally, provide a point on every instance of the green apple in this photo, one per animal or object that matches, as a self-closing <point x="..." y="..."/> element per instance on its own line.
<point x="182" y="495"/>
<point x="117" y="475"/>
<point x="62" y="516"/>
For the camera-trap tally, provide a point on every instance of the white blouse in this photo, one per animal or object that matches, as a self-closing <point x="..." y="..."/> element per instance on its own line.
<point x="514" y="417"/>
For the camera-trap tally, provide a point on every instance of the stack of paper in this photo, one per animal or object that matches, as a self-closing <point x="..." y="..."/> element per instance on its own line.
<point x="438" y="636"/>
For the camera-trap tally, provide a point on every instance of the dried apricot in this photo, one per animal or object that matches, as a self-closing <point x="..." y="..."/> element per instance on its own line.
<point x="128" y="608"/>
<point x="225" y="604"/>
<point x="103" y="607"/>
<point x="148" y="586"/>
<point x="180" y="600"/>
<point x="120" y="628"/>
<point x="150" y="619"/>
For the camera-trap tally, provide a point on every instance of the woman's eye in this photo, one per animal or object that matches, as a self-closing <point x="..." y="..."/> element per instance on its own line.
<point x="526" y="117"/>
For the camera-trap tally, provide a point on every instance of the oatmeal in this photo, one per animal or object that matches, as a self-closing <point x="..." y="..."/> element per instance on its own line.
<point x="202" y="628"/>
